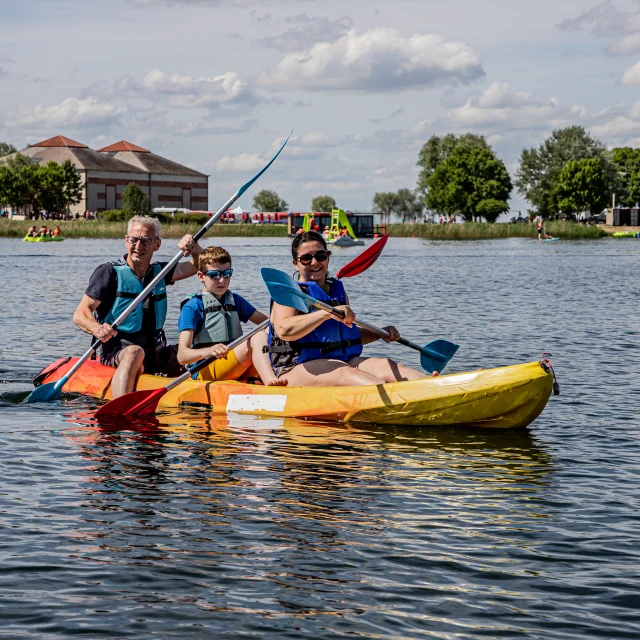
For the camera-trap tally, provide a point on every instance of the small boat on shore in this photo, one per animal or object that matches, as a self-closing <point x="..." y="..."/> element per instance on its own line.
<point x="505" y="397"/>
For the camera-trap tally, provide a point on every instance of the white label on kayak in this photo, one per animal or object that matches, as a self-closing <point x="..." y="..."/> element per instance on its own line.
<point x="256" y="402"/>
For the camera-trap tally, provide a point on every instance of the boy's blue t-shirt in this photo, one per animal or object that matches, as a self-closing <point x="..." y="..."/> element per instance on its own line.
<point x="192" y="313"/>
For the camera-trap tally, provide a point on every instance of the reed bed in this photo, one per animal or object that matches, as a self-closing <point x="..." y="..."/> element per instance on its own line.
<point x="467" y="231"/>
<point x="88" y="229"/>
<point x="484" y="231"/>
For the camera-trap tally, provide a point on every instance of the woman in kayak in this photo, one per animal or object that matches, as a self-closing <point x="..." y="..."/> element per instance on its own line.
<point x="317" y="349"/>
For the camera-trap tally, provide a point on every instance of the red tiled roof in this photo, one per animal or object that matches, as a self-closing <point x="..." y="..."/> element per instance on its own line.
<point x="123" y="145"/>
<point x="60" y="141"/>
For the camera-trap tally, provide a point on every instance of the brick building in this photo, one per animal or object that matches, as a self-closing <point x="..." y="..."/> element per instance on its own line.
<point x="106" y="173"/>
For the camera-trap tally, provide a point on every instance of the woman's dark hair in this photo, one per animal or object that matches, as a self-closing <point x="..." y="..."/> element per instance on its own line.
<point x="306" y="236"/>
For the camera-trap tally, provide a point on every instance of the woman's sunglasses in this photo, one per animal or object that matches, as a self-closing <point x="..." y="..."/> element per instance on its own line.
<point x="214" y="274"/>
<point x="307" y="258"/>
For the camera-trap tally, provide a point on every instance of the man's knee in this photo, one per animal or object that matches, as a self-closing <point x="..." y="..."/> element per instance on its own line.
<point x="131" y="355"/>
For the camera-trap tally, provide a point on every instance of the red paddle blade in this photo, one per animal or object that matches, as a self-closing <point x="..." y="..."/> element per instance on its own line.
<point x="136" y="403"/>
<point x="364" y="260"/>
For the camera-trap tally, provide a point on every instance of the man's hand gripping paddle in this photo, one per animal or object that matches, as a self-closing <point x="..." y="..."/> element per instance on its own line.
<point x="53" y="390"/>
<point x="145" y="402"/>
<point x="434" y="356"/>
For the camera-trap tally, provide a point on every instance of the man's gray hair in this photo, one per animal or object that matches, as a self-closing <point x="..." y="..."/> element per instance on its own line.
<point x="145" y="221"/>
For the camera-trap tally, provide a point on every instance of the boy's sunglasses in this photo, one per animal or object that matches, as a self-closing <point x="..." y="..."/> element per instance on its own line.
<point x="320" y="256"/>
<point x="214" y="274"/>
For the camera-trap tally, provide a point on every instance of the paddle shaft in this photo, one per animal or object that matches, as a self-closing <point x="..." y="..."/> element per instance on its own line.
<point x="381" y="332"/>
<point x="207" y="361"/>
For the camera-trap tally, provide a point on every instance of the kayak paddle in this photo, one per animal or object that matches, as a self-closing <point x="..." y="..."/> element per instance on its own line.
<point x="363" y="260"/>
<point x="53" y="390"/>
<point x="284" y="290"/>
<point x="139" y="403"/>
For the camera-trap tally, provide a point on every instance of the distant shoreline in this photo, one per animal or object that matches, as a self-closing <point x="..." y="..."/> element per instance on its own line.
<point x="466" y="231"/>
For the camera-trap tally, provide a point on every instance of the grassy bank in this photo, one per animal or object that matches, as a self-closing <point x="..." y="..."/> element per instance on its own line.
<point x="481" y="231"/>
<point x="468" y="231"/>
<point x="82" y="229"/>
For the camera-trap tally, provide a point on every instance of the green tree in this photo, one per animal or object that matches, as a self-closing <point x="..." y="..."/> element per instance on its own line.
<point x="6" y="149"/>
<point x="6" y="179"/>
<point x="436" y="150"/>
<point x="323" y="203"/>
<point x="385" y="202"/>
<point x="627" y="164"/>
<point x="580" y="185"/>
<point x="407" y="206"/>
<point x="135" y="202"/>
<point x="539" y="168"/>
<point x="269" y="201"/>
<point x="471" y="182"/>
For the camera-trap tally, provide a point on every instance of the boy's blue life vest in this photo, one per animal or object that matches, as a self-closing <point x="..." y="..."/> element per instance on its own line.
<point x="129" y="287"/>
<point x="331" y="339"/>
<point x="221" y="321"/>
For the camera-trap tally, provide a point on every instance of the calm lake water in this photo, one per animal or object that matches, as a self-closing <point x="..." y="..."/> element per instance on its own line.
<point x="197" y="526"/>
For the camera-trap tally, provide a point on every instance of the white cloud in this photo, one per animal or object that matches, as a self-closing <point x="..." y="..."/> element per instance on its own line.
<point x="632" y="75"/>
<point x="222" y="90"/>
<point x="307" y="31"/>
<point x="500" y="108"/>
<point x="376" y="61"/>
<point x="607" y="20"/>
<point x="70" y="113"/>
<point x="241" y="162"/>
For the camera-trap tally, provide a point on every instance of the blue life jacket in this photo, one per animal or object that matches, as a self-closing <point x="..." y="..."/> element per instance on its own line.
<point x="331" y="339"/>
<point x="129" y="287"/>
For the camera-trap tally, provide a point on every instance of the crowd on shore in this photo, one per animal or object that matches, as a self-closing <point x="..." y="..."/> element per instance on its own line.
<point x="47" y="215"/>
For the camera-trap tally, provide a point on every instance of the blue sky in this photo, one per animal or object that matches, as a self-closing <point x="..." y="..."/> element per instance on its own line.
<point x="216" y="84"/>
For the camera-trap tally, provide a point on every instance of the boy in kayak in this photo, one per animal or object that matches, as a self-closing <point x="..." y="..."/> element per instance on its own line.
<point x="317" y="349"/>
<point x="139" y="344"/>
<point x="211" y="319"/>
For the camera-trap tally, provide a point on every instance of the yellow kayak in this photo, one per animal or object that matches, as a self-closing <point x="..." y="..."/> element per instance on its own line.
<point x="43" y="239"/>
<point x="505" y="397"/>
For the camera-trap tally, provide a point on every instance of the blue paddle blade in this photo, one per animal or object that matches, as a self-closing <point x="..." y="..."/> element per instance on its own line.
<point x="246" y="185"/>
<point x="442" y="351"/>
<point x="48" y="392"/>
<point x="284" y="290"/>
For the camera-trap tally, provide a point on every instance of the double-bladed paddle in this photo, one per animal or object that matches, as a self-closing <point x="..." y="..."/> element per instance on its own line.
<point x="284" y="290"/>
<point x="53" y="390"/>
<point x="145" y="402"/>
<point x="139" y="403"/>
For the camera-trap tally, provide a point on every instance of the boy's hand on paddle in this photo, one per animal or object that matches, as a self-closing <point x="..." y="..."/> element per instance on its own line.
<point x="349" y="315"/>
<point x="104" y="332"/>
<point x="394" y="334"/>
<point x="220" y="351"/>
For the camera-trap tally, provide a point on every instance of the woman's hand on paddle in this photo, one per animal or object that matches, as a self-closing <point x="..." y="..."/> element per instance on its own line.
<point x="104" y="332"/>
<point x="394" y="334"/>
<point x="349" y="315"/>
<point x="220" y="351"/>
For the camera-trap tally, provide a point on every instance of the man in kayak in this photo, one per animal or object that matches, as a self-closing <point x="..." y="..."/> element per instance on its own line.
<point x="139" y="344"/>
<point x="316" y="349"/>
<point x="211" y="319"/>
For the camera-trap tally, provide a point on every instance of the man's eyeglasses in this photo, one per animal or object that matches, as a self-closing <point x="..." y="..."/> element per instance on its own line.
<point x="307" y="258"/>
<point x="133" y="240"/>
<point x="214" y="274"/>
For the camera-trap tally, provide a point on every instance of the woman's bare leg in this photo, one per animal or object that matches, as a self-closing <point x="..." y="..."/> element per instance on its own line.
<point x="261" y="359"/>
<point x="328" y="373"/>
<point x="386" y="369"/>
